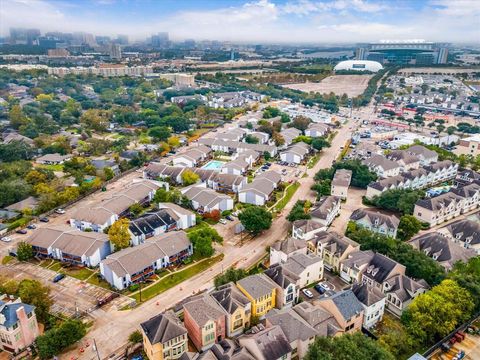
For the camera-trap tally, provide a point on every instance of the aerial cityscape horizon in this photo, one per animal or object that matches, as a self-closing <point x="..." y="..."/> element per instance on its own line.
<point x="239" y="180"/>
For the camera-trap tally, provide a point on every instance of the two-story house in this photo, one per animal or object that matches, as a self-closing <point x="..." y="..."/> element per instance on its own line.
<point x="373" y="301"/>
<point x="261" y="291"/>
<point x="332" y="248"/>
<point x="346" y="309"/>
<point x="376" y="221"/>
<point x="282" y="250"/>
<point x="18" y="325"/>
<point x="164" y="337"/>
<point x="205" y="321"/>
<point x="326" y="209"/>
<point x="236" y="306"/>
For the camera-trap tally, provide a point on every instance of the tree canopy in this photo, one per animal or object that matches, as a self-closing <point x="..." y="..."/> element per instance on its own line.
<point x="255" y="219"/>
<point x="347" y="347"/>
<point x="119" y="235"/>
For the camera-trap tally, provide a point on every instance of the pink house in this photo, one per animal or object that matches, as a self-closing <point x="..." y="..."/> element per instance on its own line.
<point x="18" y="325"/>
<point x="205" y="322"/>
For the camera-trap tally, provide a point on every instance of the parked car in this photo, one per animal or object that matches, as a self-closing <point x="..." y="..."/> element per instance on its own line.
<point x="308" y="293"/>
<point x="60" y="211"/>
<point x="58" y="277"/>
<point x="229" y="217"/>
<point x="31" y="226"/>
<point x="44" y="219"/>
<point x="107" y="298"/>
<point x="21" y="231"/>
<point x="320" y="289"/>
<point x="6" y="239"/>
<point x="325" y="286"/>
<point x="12" y="252"/>
<point x="222" y="221"/>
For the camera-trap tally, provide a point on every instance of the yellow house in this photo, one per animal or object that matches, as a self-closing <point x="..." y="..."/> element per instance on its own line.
<point x="261" y="292"/>
<point x="164" y="337"/>
<point x="237" y="307"/>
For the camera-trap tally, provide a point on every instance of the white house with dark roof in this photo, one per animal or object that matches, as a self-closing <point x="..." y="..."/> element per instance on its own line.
<point x="442" y="249"/>
<point x="382" y="166"/>
<point x="465" y="233"/>
<point x="138" y="263"/>
<point x="287" y="291"/>
<point x="70" y="245"/>
<point x="376" y="221"/>
<point x="306" y="229"/>
<point x="373" y="301"/>
<point x="326" y="209"/>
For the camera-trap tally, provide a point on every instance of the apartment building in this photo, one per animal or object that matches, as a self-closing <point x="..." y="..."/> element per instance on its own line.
<point x="376" y="221"/>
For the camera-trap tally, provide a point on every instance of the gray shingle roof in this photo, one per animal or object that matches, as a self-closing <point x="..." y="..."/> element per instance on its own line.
<point x="347" y="304"/>
<point x="257" y="285"/>
<point x="163" y="327"/>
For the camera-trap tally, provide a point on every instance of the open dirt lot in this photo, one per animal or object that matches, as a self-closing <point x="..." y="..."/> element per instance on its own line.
<point x="352" y="85"/>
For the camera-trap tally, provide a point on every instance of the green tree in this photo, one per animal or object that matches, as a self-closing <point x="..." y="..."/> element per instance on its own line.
<point x="250" y="139"/>
<point x="319" y="143"/>
<point x="17" y="117"/>
<point x="34" y="293"/>
<point x="467" y="275"/>
<point x="53" y="341"/>
<point x="189" y="177"/>
<point x="347" y="347"/>
<point x="135" y="337"/>
<point x="108" y="173"/>
<point x="409" y="226"/>
<point x="301" y="122"/>
<point x="298" y="212"/>
<point x="24" y="251"/>
<point x="398" y="200"/>
<point x="202" y="240"/>
<point x="136" y="209"/>
<point x="255" y="219"/>
<point x="231" y="275"/>
<point x="436" y="313"/>
<point x="119" y="235"/>
<point x="160" y="133"/>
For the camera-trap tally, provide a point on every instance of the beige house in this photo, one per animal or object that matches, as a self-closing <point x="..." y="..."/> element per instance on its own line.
<point x="469" y="146"/>
<point x="346" y="309"/>
<point x="332" y="248"/>
<point x="236" y="306"/>
<point x="164" y="337"/>
<point x="340" y="183"/>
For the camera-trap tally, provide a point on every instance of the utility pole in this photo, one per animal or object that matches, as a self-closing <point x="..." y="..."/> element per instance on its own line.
<point x="96" y="349"/>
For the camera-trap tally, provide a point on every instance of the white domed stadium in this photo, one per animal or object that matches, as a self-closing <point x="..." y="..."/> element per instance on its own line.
<point x="358" y="65"/>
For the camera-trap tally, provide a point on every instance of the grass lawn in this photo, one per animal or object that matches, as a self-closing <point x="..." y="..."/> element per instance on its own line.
<point x="172" y="280"/>
<point x="313" y="160"/>
<point x="7" y="259"/>
<point x="200" y="225"/>
<point x="95" y="280"/>
<point x="56" y="167"/>
<point x="77" y="273"/>
<point x="55" y="267"/>
<point x="289" y="191"/>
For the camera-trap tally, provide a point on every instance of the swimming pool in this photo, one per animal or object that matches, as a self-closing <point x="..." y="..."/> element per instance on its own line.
<point x="213" y="165"/>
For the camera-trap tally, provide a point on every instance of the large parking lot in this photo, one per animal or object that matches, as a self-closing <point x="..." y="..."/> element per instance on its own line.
<point x="71" y="296"/>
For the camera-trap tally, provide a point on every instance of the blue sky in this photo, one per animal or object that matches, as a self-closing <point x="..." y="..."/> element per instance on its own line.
<point x="299" y="21"/>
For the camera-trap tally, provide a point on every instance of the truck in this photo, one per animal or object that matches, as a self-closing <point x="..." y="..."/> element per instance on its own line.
<point x="107" y="298"/>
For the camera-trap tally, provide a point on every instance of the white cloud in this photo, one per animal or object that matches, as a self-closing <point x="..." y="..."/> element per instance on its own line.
<point x="263" y="20"/>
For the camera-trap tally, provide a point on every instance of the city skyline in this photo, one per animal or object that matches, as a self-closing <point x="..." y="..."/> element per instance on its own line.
<point x="262" y="21"/>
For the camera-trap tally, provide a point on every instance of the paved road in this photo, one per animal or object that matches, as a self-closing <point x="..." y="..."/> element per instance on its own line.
<point x="111" y="329"/>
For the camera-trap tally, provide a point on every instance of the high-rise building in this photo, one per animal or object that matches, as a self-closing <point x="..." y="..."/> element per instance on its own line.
<point x="411" y="52"/>
<point x="123" y="39"/>
<point x="115" y="52"/>
<point x="22" y="36"/>
<point x="160" y="40"/>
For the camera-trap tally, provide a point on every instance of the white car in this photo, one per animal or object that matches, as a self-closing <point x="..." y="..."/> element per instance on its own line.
<point x="308" y="293"/>
<point x="222" y="221"/>
<point x="60" y="211"/>
<point x="6" y="239"/>
<point x="325" y="286"/>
